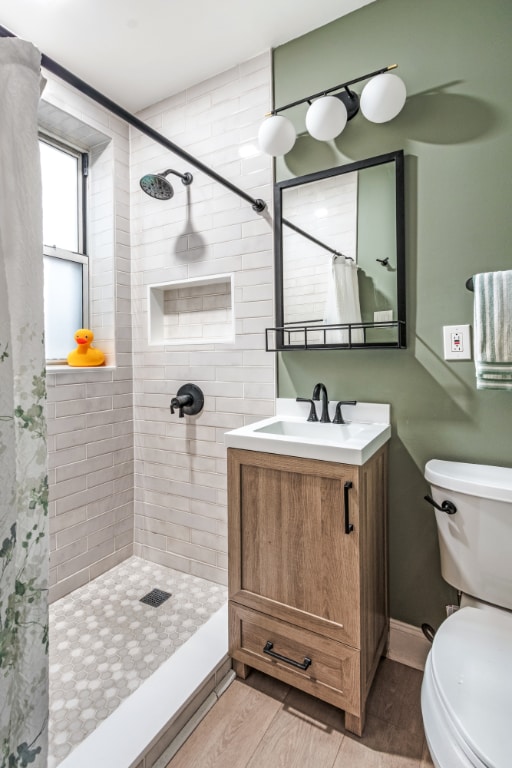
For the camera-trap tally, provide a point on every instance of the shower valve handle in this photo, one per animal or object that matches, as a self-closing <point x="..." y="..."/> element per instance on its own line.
<point x="189" y="400"/>
<point x="180" y="402"/>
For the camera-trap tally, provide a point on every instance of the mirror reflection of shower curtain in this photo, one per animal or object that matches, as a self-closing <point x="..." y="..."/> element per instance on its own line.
<point x="342" y="303"/>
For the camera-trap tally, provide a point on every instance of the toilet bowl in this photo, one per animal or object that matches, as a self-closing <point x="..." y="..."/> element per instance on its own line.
<point x="466" y="696"/>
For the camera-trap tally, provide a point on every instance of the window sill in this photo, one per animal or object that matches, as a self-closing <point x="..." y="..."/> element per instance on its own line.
<point x="75" y="368"/>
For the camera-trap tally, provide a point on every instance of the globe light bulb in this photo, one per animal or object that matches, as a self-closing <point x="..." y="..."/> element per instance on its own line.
<point x="276" y="135"/>
<point x="383" y="98"/>
<point x="326" y="118"/>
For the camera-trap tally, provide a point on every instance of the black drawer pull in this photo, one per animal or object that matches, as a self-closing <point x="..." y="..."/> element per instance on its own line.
<point x="348" y="525"/>
<point x="268" y="649"/>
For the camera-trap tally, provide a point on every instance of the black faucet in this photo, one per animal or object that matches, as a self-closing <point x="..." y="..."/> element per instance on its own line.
<point x="312" y="410"/>
<point x="338" y="416"/>
<point x="320" y="388"/>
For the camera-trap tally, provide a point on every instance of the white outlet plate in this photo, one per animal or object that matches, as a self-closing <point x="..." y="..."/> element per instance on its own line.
<point x="383" y="316"/>
<point x="457" y="342"/>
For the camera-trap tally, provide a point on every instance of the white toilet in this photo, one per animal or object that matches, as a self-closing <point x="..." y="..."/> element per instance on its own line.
<point x="466" y="696"/>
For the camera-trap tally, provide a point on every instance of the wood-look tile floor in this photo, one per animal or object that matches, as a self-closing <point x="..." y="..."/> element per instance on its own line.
<point x="263" y="723"/>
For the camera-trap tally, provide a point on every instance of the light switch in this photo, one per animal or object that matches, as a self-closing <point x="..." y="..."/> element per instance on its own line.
<point x="457" y="342"/>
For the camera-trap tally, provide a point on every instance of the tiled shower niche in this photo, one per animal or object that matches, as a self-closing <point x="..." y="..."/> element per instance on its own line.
<point x="193" y="311"/>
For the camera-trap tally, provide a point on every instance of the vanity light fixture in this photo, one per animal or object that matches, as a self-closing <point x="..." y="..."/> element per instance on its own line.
<point x="381" y="100"/>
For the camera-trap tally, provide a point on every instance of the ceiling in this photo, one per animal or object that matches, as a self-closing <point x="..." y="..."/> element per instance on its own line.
<point x="138" y="52"/>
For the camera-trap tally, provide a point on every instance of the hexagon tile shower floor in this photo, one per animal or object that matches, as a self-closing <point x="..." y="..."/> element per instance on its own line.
<point x="104" y="642"/>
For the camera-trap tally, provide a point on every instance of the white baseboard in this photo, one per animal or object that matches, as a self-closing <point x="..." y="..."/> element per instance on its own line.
<point x="407" y="644"/>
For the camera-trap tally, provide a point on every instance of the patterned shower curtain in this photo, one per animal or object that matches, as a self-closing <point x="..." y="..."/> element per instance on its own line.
<point x="23" y="480"/>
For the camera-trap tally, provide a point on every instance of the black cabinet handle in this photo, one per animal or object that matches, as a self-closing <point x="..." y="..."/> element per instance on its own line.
<point x="268" y="649"/>
<point x="348" y="525"/>
<point x="447" y="506"/>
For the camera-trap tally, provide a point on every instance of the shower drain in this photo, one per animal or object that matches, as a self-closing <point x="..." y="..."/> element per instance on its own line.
<point x="155" y="598"/>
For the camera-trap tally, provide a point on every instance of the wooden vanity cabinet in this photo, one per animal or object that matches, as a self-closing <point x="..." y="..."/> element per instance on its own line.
<point x="308" y="573"/>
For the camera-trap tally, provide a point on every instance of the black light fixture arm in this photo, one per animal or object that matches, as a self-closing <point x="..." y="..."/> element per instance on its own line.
<point x="309" y="99"/>
<point x="68" y="77"/>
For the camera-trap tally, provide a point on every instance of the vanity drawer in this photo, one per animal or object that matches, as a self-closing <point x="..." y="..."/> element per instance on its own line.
<point x="318" y="665"/>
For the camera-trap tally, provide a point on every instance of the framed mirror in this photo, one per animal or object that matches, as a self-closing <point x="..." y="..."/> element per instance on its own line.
<point x="340" y="258"/>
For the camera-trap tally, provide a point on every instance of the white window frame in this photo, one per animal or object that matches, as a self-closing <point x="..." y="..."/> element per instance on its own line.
<point x="80" y="256"/>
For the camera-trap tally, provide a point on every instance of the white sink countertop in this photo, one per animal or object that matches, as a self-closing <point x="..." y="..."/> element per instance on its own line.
<point x="367" y="429"/>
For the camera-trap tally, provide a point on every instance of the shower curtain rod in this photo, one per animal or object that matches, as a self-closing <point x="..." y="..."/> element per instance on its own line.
<point x="64" y="74"/>
<point x="314" y="239"/>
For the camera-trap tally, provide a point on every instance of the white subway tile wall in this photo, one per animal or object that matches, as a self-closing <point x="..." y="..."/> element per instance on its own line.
<point x="90" y="411"/>
<point x="332" y="219"/>
<point x="121" y="468"/>
<point x="204" y="231"/>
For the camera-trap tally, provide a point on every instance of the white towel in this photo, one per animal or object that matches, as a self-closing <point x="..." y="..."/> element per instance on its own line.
<point x="493" y="329"/>
<point x="342" y="303"/>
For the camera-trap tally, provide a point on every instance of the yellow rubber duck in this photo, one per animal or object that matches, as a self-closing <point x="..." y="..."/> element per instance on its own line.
<point x="83" y="355"/>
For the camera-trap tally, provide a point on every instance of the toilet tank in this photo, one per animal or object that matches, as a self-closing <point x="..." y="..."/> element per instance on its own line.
<point x="476" y="542"/>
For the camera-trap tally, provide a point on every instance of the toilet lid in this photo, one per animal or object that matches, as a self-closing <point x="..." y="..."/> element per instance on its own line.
<point x="472" y="670"/>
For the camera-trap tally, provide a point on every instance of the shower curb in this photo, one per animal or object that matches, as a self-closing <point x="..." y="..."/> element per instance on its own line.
<point x="145" y="724"/>
<point x="194" y="721"/>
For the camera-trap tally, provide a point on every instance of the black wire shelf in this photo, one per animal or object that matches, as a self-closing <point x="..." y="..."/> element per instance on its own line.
<point x="301" y="336"/>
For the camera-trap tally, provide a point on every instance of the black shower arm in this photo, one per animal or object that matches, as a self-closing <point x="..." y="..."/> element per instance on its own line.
<point x="176" y="173"/>
<point x="64" y="74"/>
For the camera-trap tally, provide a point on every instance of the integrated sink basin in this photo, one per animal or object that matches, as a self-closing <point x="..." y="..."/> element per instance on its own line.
<point x="366" y="430"/>
<point x="330" y="433"/>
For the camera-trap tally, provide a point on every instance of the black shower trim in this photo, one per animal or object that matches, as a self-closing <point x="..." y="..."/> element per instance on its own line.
<point x="64" y="74"/>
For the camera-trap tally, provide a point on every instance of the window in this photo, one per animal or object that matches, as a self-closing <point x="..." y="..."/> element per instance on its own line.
<point x="66" y="275"/>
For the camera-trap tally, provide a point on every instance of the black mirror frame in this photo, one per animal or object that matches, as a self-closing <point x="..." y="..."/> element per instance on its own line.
<point x="281" y="332"/>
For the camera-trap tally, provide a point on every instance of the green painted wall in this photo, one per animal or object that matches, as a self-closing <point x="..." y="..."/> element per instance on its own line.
<point x="376" y="239"/>
<point x="456" y="130"/>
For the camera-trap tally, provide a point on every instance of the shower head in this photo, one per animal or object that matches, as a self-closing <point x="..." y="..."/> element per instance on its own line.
<point x="156" y="185"/>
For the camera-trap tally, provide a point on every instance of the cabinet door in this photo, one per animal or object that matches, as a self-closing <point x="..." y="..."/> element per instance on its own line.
<point x="296" y="560"/>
